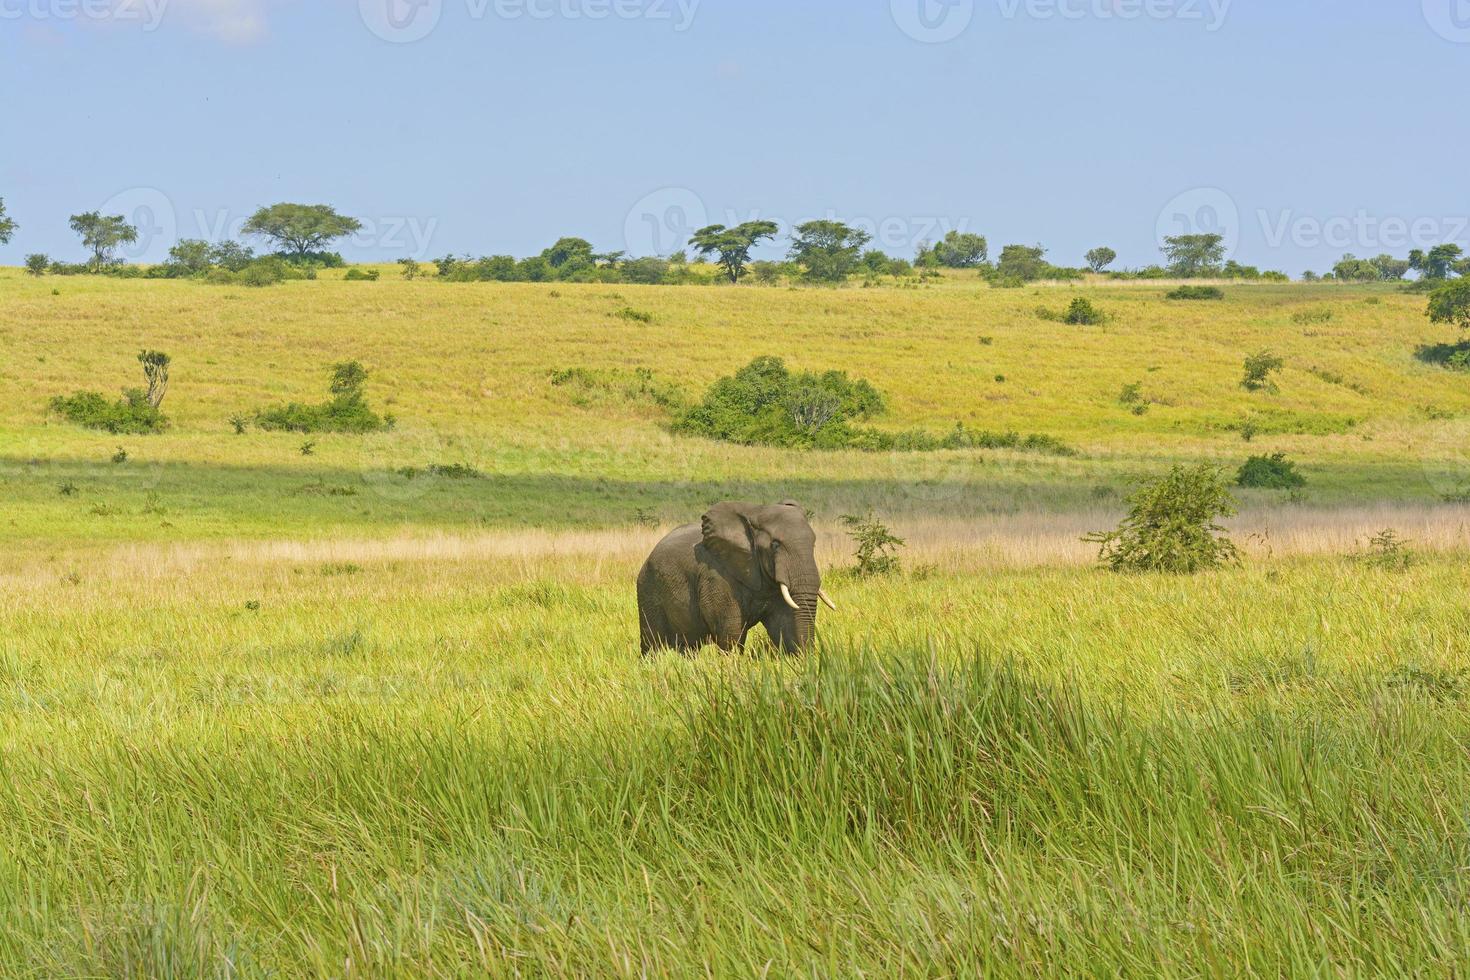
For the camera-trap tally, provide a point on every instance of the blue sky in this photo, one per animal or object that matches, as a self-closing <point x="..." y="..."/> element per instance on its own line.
<point x="1302" y="129"/>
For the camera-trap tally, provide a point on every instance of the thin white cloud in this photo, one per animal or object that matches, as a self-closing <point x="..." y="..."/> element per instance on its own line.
<point x="235" y="21"/>
<point x="232" y="21"/>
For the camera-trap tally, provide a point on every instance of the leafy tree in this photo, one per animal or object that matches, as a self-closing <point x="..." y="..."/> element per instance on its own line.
<point x="569" y="251"/>
<point x="1258" y="370"/>
<point x="1354" y="269"/>
<point x="732" y="245"/>
<point x="829" y="251"/>
<point x="1171" y="526"/>
<point x="1451" y="304"/>
<point x="191" y="256"/>
<point x="1391" y="269"/>
<point x="231" y="256"/>
<point x="103" y="235"/>
<point x="1024" y="262"/>
<point x="300" y="229"/>
<point x="1437" y="263"/>
<point x="36" y="264"/>
<point x="1191" y="256"/>
<point x="1100" y="258"/>
<point x="960" y="250"/>
<point x="649" y="270"/>
<point x="7" y="225"/>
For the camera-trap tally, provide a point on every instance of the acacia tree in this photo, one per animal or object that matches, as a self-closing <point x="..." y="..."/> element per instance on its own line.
<point x="829" y="251"/>
<point x="1451" y="304"/>
<point x="103" y="235"/>
<point x="1194" y="255"/>
<point x="961" y="250"/>
<point x="732" y="245"/>
<point x="7" y="225"/>
<point x="300" y="229"/>
<point x="1100" y="258"/>
<point x="1437" y="263"/>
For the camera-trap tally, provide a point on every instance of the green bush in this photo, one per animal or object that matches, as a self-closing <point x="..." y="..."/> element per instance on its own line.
<point x="346" y="411"/>
<point x="1196" y="293"/>
<point x="131" y="415"/>
<point x="1258" y="370"/>
<point x="1274" y="472"/>
<point x="876" y="545"/>
<point x="765" y="404"/>
<point x="1083" y="313"/>
<point x="1171" y="526"/>
<point x="361" y="275"/>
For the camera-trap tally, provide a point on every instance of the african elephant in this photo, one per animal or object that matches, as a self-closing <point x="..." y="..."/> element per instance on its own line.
<point x="743" y="564"/>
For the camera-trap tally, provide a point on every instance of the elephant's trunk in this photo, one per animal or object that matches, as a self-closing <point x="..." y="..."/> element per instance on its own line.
<point x="806" y="590"/>
<point x="806" y="618"/>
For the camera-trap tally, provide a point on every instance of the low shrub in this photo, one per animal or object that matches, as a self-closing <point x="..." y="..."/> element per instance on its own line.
<point x="1258" y="370"/>
<point x="1274" y="472"/>
<point x="765" y="404"/>
<point x="1389" y="551"/>
<point x="1196" y="293"/>
<point x="1171" y="526"/>
<point x="361" y="275"/>
<point x="1083" y="313"/>
<point x="347" y="411"/>
<point x="876" y="545"/>
<point x="589" y="386"/>
<point x="130" y="415"/>
<point x="1307" y="317"/>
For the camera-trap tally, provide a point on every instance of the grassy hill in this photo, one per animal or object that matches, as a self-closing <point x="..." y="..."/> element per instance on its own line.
<point x="340" y="713"/>
<point x="467" y="370"/>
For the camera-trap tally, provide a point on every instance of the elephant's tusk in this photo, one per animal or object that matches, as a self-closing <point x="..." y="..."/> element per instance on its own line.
<point x="827" y="599"/>
<point x="786" y="594"/>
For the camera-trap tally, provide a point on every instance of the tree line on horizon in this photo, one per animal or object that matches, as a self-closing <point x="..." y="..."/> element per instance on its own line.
<point x="820" y="252"/>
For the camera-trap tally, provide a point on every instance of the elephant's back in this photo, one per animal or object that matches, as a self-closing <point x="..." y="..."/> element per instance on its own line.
<point x="674" y="553"/>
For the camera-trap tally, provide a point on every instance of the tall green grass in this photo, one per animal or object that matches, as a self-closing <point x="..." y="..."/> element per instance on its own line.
<point x="1195" y="779"/>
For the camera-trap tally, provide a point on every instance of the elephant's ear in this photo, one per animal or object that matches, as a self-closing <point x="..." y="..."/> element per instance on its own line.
<point x="727" y="534"/>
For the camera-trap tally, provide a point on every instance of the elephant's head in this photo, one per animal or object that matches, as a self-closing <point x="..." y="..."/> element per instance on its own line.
<point x="771" y="551"/>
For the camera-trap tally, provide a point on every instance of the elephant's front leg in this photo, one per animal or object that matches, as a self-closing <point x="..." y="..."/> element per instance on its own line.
<point x="724" y="619"/>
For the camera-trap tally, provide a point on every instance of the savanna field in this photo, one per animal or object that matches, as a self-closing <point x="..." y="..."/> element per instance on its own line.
<point x="279" y="704"/>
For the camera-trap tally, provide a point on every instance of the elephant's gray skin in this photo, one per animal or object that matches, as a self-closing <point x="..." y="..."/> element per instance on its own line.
<point x="712" y="582"/>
